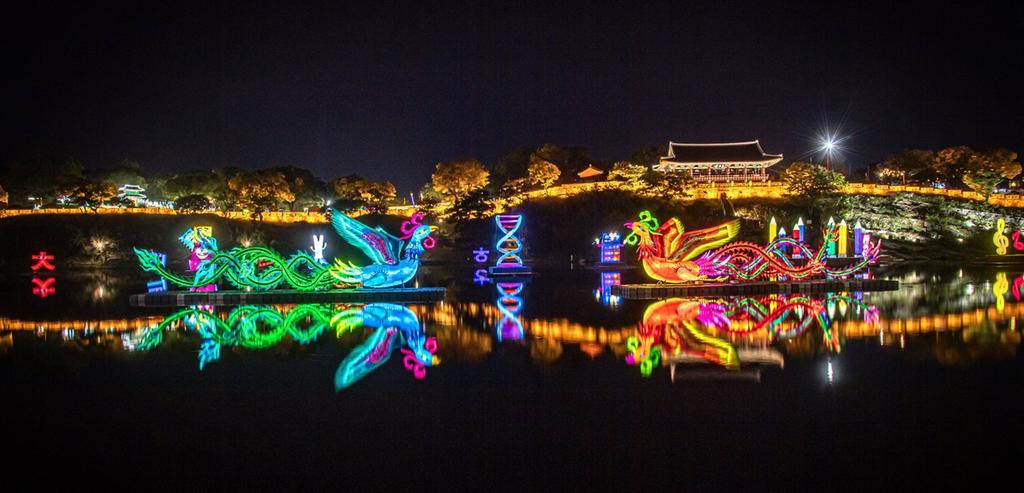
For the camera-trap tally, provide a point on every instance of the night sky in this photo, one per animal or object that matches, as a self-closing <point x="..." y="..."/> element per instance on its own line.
<point x="387" y="90"/>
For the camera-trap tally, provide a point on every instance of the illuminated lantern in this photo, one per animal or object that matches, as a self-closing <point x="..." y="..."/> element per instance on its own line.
<point x="867" y="238"/>
<point x="999" y="239"/>
<point x="318" y="248"/>
<point x="782" y="234"/>
<point x="830" y="248"/>
<point x="772" y="229"/>
<point x="480" y="255"/>
<point x="42" y="261"/>
<point x="858" y="240"/>
<point x="480" y="277"/>
<point x="509" y="245"/>
<point x="798" y="235"/>
<point x="611" y="247"/>
<point x="843" y="240"/>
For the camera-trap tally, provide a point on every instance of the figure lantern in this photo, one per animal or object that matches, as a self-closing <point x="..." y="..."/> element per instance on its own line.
<point x="393" y="261"/>
<point x="318" y="248"/>
<point x="669" y="254"/>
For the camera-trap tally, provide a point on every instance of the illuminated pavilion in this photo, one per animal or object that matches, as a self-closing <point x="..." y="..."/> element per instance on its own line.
<point x="711" y="163"/>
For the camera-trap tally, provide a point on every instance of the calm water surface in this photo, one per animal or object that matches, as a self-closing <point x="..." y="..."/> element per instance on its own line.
<point x="553" y="383"/>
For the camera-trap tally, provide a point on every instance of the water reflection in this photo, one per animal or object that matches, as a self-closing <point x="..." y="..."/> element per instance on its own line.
<point x="738" y="331"/>
<point x="951" y="318"/>
<point x="390" y="326"/>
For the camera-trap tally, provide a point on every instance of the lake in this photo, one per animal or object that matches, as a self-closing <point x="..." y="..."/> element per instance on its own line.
<point x="549" y="384"/>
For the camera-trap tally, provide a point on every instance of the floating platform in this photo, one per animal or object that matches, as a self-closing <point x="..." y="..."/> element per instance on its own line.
<point x="288" y="297"/>
<point x="510" y="270"/>
<point x="710" y="289"/>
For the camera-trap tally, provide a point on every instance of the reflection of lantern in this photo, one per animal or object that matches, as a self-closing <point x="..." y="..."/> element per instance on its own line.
<point x="604" y="293"/>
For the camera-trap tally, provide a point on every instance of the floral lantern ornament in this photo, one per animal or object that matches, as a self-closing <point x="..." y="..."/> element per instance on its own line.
<point x="410" y="225"/>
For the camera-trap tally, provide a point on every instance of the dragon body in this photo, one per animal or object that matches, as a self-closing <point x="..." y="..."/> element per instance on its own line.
<point x="394" y="261"/>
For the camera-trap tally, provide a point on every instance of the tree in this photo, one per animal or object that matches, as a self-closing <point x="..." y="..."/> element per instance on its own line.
<point x="986" y="165"/>
<point x="627" y="171"/>
<point x="309" y="190"/>
<point x="3" y="196"/>
<point x="127" y="172"/>
<point x="983" y="181"/>
<point x="646" y="156"/>
<point x="372" y="194"/>
<point x="513" y="165"/>
<point x="191" y="204"/>
<point x="201" y="182"/>
<point x="40" y="178"/>
<point x="259" y="191"/>
<point x="456" y="179"/>
<point x="963" y="165"/>
<point x="544" y="174"/>
<point x="808" y="180"/>
<point x="952" y="163"/>
<point x="88" y="193"/>
<point x="906" y="164"/>
<point x="474" y="205"/>
<point x="513" y="188"/>
<point x="673" y="185"/>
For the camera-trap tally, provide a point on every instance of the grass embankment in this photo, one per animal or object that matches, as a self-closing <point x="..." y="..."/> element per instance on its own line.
<point x="914" y="227"/>
<point x="73" y="239"/>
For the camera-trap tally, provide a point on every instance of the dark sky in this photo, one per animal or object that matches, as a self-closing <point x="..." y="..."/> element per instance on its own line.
<point x="387" y="90"/>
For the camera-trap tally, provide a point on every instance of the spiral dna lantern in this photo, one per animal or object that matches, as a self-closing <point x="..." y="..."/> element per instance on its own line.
<point x="509" y="303"/>
<point x="509" y="245"/>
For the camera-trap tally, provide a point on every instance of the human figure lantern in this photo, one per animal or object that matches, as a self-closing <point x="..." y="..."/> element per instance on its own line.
<point x="610" y="245"/>
<point x="670" y="254"/>
<point x="394" y="261"/>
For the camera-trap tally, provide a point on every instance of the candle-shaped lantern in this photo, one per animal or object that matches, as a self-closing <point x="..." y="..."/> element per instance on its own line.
<point x="858" y="239"/>
<point x="830" y="247"/>
<point x="782" y="234"/>
<point x="843" y="240"/>
<point x="798" y="235"/>
<point x="867" y="241"/>
<point x="772" y="228"/>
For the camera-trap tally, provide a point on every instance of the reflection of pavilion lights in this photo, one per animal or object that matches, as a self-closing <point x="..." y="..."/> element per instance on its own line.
<point x="830" y="372"/>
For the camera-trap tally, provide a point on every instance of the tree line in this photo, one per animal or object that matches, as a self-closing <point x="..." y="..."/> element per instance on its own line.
<point x="953" y="167"/>
<point x="65" y="182"/>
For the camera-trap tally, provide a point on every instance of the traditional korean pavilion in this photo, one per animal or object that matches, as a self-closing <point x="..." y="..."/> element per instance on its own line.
<point x="735" y="161"/>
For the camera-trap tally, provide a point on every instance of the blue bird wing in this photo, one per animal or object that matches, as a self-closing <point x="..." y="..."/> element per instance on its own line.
<point x="379" y="245"/>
